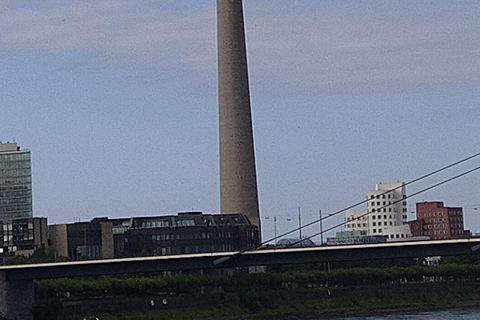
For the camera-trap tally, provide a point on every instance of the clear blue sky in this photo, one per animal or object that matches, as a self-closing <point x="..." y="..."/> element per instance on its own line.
<point x="117" y="100"/>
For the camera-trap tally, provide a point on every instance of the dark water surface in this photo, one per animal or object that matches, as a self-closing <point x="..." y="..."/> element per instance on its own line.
<point x="430" y="315"/>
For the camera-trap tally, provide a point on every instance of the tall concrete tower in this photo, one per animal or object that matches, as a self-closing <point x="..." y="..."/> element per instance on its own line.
<point x="238" y="178"/>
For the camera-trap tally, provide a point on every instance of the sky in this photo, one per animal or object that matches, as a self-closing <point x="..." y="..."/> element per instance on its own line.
<point x="117" y="101"/>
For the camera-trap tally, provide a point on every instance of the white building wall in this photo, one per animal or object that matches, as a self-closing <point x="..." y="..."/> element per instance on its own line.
<point x="356" y="221"/>
<point x="398" y="233"/>
<point x="387" y="207"/>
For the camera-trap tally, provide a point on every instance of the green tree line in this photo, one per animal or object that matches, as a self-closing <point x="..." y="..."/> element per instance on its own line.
<point x="108" y="285"/>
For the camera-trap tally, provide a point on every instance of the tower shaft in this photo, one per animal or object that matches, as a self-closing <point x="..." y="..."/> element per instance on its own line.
<point x="238" y="178"/>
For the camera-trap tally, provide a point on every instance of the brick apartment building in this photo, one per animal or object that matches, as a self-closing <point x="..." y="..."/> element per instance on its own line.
<point x="438" y="222"/>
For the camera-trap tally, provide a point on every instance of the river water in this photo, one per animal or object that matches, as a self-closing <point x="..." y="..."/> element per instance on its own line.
<point x="433" y="315"/>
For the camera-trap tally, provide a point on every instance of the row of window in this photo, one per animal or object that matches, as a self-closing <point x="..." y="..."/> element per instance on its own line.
<point x="384" y="216"/>
<point x="191" y="236"/>
<point x="166" y="223"/>
<point x="356" y="225"/>
<point x="14" y="194"/>
<point x="7" y="201"/>
<point x="436" y="214"/>
<point x="10" y="157"/>
<point x="5" y="173"/>
<point x="12" y="208"/>
<point x="156" y="224"/>
<point x="383" y="196"/>
<point x="16" y="181"/>
<point x="398" y="236"/>
<point x="380" y="224"/>
<point x="23" y="164"/>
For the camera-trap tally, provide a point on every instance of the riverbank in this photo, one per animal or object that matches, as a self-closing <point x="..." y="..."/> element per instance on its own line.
<point x="298" y="304"/>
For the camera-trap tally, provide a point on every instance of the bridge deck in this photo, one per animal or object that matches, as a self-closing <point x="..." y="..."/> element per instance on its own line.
<point x="251" y="258"/>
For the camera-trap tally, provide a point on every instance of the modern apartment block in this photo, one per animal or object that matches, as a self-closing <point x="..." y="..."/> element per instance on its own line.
<point x="15" y="182"/>
<point x="439" y="222"/>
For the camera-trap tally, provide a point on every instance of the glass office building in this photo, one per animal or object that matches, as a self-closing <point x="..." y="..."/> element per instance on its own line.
<point x="15" y="182"/>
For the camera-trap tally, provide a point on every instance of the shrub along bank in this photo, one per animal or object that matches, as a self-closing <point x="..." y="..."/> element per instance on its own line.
<point x="270" y="293"/>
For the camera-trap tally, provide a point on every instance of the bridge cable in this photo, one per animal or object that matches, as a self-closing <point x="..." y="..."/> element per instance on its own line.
<point x="366" y="200"/>
<point x="218" y="261"/>
<point x="394" y="202"/>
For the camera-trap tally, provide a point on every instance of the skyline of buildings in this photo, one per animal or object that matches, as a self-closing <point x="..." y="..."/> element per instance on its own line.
<point x="22" y="234"/>
<point x="386" y="217"/>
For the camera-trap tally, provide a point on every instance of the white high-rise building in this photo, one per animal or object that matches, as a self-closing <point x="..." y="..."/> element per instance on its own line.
<point x="386" y="213"/>
<point x="387" y="207"/>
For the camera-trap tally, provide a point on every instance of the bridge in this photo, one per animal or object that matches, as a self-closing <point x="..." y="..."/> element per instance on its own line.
<point x="17" y="282"/>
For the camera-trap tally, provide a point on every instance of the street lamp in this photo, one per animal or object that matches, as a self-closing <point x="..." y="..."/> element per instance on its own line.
<point x="274" y="228"/>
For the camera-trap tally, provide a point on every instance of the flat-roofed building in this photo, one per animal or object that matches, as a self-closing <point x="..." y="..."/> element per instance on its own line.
<point x="440" y="222"/>
<point x="15" y="182"/>
<point x="189" y="232"/>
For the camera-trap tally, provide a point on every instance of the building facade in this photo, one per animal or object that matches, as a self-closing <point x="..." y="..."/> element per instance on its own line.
<point x="386" y="213"/>
<point x="357" y="221"/>
<point x="439" y="222"/>
<point x="387" y="207"/>
<point x="189" y="232"/>
<point x="22" y="236"/>
<point x="15" y="182"/>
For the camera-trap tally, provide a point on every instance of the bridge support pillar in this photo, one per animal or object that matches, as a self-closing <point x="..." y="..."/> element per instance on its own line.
<point x="16" y="298"/>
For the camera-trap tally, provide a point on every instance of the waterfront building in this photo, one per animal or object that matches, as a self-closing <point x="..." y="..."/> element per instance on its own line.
<point x="187" y="232"/>
<point x="440" y="222"/>
<point x="387" y="207"/>
<point x="386" y="213"/>
<point x="15" y="182"/>
<point x="22" y="236"/>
